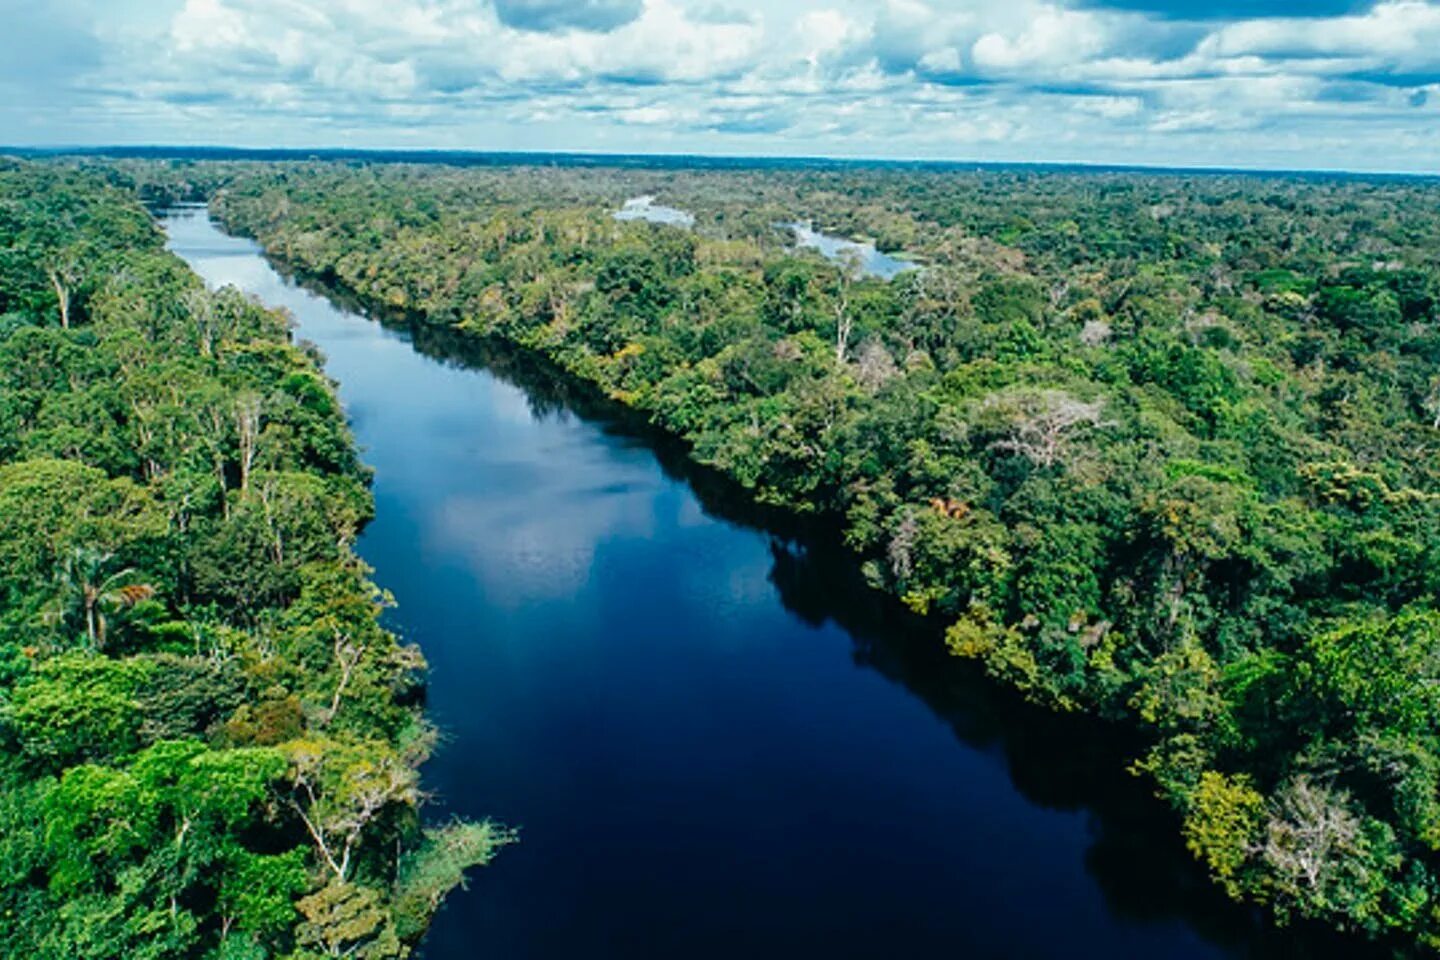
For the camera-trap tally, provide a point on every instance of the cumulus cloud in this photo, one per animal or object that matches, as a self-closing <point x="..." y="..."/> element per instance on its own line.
<point x="1403" y="33"/>
<point x="1050" y="36"/>
<point x="1231" y="9"/>
<point x="1170" y="81"/>
<point x="398" y="48"/>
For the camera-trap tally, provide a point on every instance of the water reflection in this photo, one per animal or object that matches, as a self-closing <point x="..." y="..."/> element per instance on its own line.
<point x="645" y="208"/>
<point x="869" y="261"/>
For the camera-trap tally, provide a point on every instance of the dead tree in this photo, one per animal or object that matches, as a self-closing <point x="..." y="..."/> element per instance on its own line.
<point x="1043" y="424"/>
<point x="844" y="320"/>
<point x="248" y="422"/>
<point x="64" y="274"/>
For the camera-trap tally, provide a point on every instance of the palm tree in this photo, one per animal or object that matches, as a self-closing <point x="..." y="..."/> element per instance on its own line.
<point x="89" y="589"/>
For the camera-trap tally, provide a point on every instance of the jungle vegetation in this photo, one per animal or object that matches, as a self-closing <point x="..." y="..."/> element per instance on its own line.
<point x="208" y="744"/>
<point x="1162" y="448"/>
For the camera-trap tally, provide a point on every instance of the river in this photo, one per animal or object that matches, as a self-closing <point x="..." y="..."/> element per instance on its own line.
<point x="716" y="743"/>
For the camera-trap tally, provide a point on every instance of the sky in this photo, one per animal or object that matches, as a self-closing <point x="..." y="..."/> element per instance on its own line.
<point x="1325" y="84"/>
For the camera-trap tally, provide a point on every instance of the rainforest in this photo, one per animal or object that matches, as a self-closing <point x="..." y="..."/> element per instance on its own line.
<point x="1160" y="452"/>
<point x="210" y="744"/>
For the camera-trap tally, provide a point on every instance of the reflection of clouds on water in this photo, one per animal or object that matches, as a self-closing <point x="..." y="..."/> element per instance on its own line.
<point x="748" y="585"/>
<point x="645" y="208"/>
<point x="520" y="555"/>
<point x="871" y="261"/>
<point x="691" y="514"/>
<point x="243" y="272"/>
<point x="517" y="561"/>
<point x="509" y="404"/>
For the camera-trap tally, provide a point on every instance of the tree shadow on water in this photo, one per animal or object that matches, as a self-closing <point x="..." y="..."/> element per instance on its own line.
<point x="1059" y="762"/>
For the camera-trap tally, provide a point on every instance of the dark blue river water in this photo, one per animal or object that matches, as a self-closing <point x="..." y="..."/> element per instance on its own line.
<point x="715" y="742"/>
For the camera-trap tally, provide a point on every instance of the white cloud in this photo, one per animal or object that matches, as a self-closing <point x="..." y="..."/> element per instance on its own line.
<point x="1405" y="33"/>
<point x="208" y="24"/>
<point x="1051" y="36"/>
<point x="987" y="79"/>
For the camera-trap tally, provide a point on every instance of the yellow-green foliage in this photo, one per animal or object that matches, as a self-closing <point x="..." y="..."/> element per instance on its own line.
<point x="1224" y="825"/>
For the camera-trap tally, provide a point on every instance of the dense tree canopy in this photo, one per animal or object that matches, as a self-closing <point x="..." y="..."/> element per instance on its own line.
<point x="1163" y="448"/>
<point x="208" y="745"/>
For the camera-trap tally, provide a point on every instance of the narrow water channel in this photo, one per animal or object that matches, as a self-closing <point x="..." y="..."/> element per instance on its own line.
<point x="715" y="743"/>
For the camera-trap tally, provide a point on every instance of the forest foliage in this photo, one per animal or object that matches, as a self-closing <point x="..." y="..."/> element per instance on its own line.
<point x="1163" y="448"/>
<point x="208" y="745"/>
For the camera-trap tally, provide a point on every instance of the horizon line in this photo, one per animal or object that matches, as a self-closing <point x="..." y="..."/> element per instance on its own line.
<point x="220" y="151"/>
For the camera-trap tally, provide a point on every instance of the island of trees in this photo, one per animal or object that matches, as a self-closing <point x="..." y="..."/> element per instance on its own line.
<point x="208" y="744"/>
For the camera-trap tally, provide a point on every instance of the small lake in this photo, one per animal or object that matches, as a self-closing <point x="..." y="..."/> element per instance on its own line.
<point x="645" y="208"/>
<point x="716" y="742"/>
<point x="870" y="261"/>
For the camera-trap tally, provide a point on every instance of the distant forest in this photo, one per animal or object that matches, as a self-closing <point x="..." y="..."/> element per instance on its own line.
<point x="648" y="161"/>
